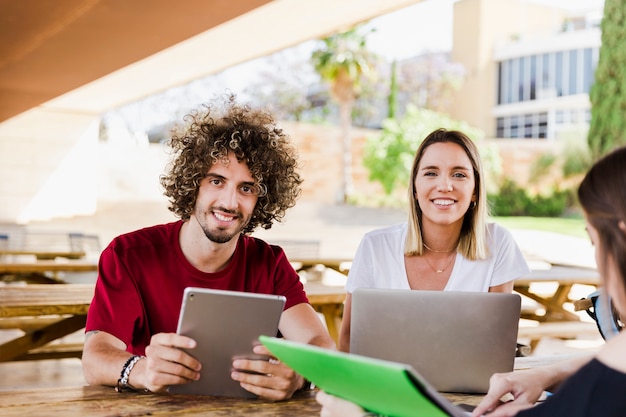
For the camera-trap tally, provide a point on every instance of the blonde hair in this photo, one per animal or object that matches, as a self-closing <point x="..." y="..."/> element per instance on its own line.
<point x="474" y="234"/>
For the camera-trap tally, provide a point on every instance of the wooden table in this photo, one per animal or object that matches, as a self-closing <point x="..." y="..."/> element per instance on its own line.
<point x="341" y="265"/>
<point x="49" y="312"/>
<point x="45" y="313"/>
<point x="43" y="255"/>
<point x="44" y="271"/>
<point x="565" y="277"/>
<point x="97" y="401"/>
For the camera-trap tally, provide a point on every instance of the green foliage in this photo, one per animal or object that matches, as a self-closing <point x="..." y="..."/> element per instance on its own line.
<point x="389" y="155"/>
<point x="553" y="205"/>
<point x="608" y="94"/>
<point x="513" y="200"/>
<point x="344" y="57"/>
<point x="393" y="91"/>
<point x="576" y="160"/>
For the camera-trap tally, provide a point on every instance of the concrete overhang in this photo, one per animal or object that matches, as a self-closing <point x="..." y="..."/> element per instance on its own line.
<point x="90" y="56"/>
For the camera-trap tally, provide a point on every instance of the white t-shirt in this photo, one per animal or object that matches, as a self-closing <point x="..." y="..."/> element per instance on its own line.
<point x="379" y="262"/>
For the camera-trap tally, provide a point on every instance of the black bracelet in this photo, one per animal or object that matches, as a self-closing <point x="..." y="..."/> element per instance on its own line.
<point x="122" y="383"/>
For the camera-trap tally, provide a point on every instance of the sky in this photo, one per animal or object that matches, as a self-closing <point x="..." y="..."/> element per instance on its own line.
<point x="428" y="26"/>
<point x="423" y="27"/>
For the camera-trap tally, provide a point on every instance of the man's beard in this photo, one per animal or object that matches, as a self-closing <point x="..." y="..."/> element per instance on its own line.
<point x="220" y="235"/>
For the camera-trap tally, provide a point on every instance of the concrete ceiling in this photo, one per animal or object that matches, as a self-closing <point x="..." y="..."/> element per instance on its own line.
<point x="89" y="56"/>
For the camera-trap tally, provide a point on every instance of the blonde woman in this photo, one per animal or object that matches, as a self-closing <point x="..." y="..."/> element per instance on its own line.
<point x="447" y="244"/>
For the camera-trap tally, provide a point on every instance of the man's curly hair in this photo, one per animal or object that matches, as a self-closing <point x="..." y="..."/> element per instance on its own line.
<point x="209" y="136"/>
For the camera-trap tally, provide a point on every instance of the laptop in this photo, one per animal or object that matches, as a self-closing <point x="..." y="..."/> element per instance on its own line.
<point x="455" y="340"/>
<point x="379" y="386"/>
<point x="225" y="325"/>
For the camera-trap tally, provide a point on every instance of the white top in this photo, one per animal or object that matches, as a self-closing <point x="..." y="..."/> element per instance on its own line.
<point x="379" y="262"/>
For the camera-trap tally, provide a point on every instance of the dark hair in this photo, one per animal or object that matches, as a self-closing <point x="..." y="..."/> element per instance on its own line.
<point x="210" y="135"/>
<point x="602" y="194"/>
<point x="473" y="240"/>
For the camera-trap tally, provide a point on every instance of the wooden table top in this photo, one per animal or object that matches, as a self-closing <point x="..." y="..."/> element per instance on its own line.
<point x="561" y="274"/>
<point x="100" y="401"/>
<point x="45" y="299"/>
<point x="318" y="293"/>
<point x="338" y="264"/>
<point x="47" y="266"/>
<point x="44" y="254"/>
<point x="97" y="401"/>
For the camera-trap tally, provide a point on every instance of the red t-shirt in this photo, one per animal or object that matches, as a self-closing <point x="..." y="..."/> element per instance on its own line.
<point x="142" y="276"/>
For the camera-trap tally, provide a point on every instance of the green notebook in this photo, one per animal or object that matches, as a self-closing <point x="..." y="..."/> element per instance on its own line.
<point x="384" y="387"/>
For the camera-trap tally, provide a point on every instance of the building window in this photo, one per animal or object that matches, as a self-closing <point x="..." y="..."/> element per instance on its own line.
<point x="547" y="75"/>
<point x="522" y="126"/>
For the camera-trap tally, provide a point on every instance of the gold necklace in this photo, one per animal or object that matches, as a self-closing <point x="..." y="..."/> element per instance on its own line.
<point x="439" y="271"/>
<point x="438" y="251"/>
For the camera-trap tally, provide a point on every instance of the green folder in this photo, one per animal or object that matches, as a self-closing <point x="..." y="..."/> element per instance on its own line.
<point x="380" y="386"/>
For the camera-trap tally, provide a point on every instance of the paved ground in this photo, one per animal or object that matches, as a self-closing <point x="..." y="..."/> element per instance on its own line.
<point x="338" y="228"/>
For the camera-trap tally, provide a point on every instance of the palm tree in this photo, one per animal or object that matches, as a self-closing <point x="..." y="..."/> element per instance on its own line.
<point x="343" y="60"/>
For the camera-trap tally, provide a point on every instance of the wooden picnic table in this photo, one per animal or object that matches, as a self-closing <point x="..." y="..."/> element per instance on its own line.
<point x="102" y="401"/>
<point x="44" y="271"/>
<point x="45" y="313"/>
<point x="49" y="312"/>
<point x="341" y="265"/>
<point x="46" y="266"/>
<point x="565" y="277"/>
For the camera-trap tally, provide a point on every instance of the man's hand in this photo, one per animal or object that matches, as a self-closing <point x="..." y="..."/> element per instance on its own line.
<point x="166" y="363"/>
<point x="270" y="379"/>
<point x="523" y="386"/>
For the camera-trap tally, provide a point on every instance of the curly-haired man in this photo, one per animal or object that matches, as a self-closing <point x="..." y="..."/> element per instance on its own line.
<point x="232" y="171"/>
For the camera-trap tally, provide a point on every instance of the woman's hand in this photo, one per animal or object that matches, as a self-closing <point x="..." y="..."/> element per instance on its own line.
<point x="337" y="407"/>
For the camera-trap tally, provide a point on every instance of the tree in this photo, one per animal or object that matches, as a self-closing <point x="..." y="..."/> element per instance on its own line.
<point x="343" y="60"/>
<point x="393" y="92"/>
<point x="607" y="129"/>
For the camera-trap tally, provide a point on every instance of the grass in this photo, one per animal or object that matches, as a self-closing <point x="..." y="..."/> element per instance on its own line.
<point x="567" y="226"/>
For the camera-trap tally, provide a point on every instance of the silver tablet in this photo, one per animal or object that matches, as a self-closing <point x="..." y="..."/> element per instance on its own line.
<point x="226" y="325"/>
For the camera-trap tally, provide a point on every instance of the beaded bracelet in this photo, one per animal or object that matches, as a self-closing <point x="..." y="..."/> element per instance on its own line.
<point x="122" y="383"/>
